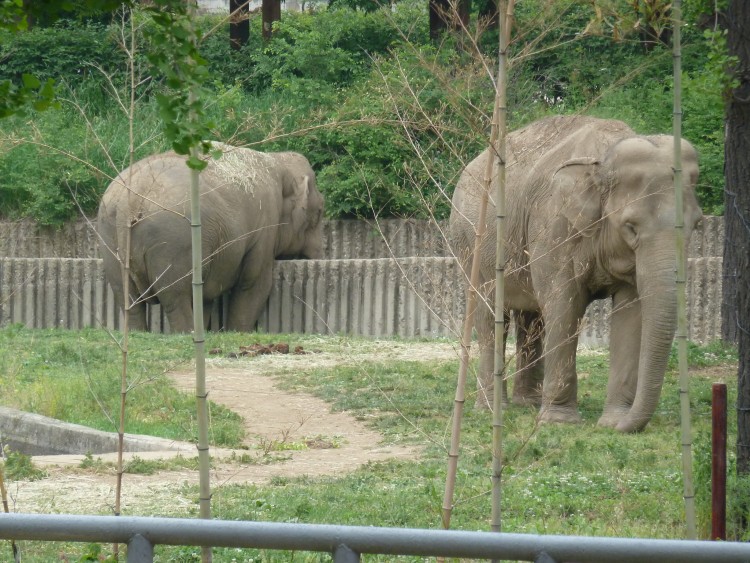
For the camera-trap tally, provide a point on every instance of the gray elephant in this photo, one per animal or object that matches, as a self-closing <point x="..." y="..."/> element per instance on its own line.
<point x="255" y="207"/>
<point x="590" y="215"/>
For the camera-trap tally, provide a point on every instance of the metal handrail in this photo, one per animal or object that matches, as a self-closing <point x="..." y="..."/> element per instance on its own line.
<point x="346" y="543"/>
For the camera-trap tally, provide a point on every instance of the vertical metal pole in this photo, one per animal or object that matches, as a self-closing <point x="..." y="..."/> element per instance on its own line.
<point x="718" y="461"/>
<point x="344" y="554"/>
<point x="140" y="550"/>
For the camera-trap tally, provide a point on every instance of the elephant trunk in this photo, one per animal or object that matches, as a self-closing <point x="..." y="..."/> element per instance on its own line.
<point x="655" y="277"/>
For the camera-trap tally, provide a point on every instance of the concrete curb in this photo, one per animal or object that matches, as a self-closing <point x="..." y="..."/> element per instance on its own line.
<point x="33" y="434"/>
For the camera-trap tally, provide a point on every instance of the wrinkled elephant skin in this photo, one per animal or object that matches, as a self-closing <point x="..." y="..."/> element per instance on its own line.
<point x="255" y="207"/>
<point x="590" y="210"/>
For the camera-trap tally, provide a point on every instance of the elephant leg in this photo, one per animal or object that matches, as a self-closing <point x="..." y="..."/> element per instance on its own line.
<point x="486" y="338"/>
<point x="246" y="301"/>
<point x="624" y="353"/>
<point x="167" y="275"/>
<point x="527" y="381"/>
<point x="179" y="311"/>
<point x="137" y="317"/>
<point x="560" y="389"/>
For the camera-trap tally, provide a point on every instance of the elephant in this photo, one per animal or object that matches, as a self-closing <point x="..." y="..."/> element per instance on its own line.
<point x="590" y="214"/>
<point x="255" y="207"/>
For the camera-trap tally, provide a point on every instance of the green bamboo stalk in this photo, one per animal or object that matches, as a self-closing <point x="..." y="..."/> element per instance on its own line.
<point x="687" y="458"/>
<point x="460" y="397"/>
<point x="125" y="273"/>
<point x="471" y="303"/>
<point x="506" y="9"/>
<point x="6" y="508"/>
<point x="199" y="337"/>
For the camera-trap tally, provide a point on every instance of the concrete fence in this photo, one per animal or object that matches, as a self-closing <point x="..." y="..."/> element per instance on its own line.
<point x="404" y="297"/>
<point x="343" y="239"/>
<point x="390" y="278"/>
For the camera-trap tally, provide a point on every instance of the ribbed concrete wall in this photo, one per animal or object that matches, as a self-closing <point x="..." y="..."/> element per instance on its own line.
<point x="382" y="297"/>
<point x="379" y="297"/>
<point x="342" y="239"/>
<point x="360" y="289"/>
<point x="703" y="293"/>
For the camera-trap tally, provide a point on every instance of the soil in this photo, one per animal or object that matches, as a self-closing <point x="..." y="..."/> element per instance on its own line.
<point x="289" y="434"/>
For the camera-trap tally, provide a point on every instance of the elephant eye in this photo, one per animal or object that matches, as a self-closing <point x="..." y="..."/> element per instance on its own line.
<point x="630" y="233"/>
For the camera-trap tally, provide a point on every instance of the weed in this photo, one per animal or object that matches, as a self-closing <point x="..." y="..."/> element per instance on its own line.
<point x="97" y="465"/>
<point x="20" y="467"/>
<point x="140" y="466"/>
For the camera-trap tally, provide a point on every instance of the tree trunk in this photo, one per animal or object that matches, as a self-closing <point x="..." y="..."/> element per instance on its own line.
<point x="445" y="14"/>
<point x="239" y="24"/>
<point x="271" y="12"/>
<point x="737" y="219"/>
<point x="438" y="15"/>
<point x="488" y="13"/>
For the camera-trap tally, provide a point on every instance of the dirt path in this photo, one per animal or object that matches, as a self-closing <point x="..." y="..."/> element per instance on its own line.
<point x="297" y="432"/>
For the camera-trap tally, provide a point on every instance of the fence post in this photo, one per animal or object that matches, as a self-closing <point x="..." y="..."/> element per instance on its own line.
<point x="344" y="554"/>
<point x="718" y="461"/>
<point x="140" y="550"/>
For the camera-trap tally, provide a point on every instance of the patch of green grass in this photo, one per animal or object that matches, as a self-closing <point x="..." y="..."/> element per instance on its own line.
<point x="75" y="377"/>
<point x="557" y="479"/>
<point x="712" y="354"/>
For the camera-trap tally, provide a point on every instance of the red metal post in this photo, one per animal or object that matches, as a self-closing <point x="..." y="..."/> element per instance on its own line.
<point x="718" y="461"/>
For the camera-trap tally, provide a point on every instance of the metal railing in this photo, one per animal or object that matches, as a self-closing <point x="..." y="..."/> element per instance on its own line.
<point x="347" y="543"/>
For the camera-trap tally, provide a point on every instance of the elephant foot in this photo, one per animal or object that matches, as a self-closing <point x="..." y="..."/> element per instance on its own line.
<point x="526" y="397"/>
<point x="633" y="423"/>
<point x="611" y="417"/>
<point x="485" y="403"/>
<point x="557" y="413"/>
<point x="485" y="399"/>
<point x="482" y="402"/>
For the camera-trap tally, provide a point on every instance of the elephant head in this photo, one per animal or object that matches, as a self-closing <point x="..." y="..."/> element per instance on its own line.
<point x="625" y="205"/>
<point x="302" y="209"/>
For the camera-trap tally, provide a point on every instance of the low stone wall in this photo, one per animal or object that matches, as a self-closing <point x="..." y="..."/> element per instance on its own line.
<point x="404" y="297"/>
<point x="343" y="239"/>
<point x="392" y="277"/>
<point x="33" y="434"/>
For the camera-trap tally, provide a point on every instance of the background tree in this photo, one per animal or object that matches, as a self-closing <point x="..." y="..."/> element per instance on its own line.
<point x="271" y="12"/>
<point x="737" y="219"/>
<point x="239" y="23"/>
<point x="448" y="14"/>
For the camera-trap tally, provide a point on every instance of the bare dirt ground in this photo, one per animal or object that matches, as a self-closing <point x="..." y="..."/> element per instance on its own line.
<point x="292" y="434"/>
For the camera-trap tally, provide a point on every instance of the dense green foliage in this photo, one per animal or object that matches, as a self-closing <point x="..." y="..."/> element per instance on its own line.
<point x="386" y="117"/>
<point x="558" y="479"/>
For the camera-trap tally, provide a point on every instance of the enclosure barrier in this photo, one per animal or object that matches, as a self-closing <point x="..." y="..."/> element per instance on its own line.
<point x="347" y="543"/>
<point x="343" y="239"/>
<point x="404" y="297"/>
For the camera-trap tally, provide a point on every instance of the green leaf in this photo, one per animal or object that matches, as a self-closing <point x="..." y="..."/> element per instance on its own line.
<point x="31" y="82"/>
<point x="196" y="163"/>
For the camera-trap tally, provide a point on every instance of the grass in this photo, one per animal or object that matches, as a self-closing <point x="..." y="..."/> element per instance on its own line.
<point x="559" y="479"/>
<point x="75" y="377"/>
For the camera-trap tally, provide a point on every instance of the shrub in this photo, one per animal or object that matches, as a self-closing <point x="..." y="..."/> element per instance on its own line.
<point x="65" y="51"/>
<point x="386" y="124"/>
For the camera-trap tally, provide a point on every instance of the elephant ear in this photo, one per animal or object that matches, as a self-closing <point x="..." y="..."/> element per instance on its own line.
<point x="297" y="195"/>
<point x="576" y="197"/>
